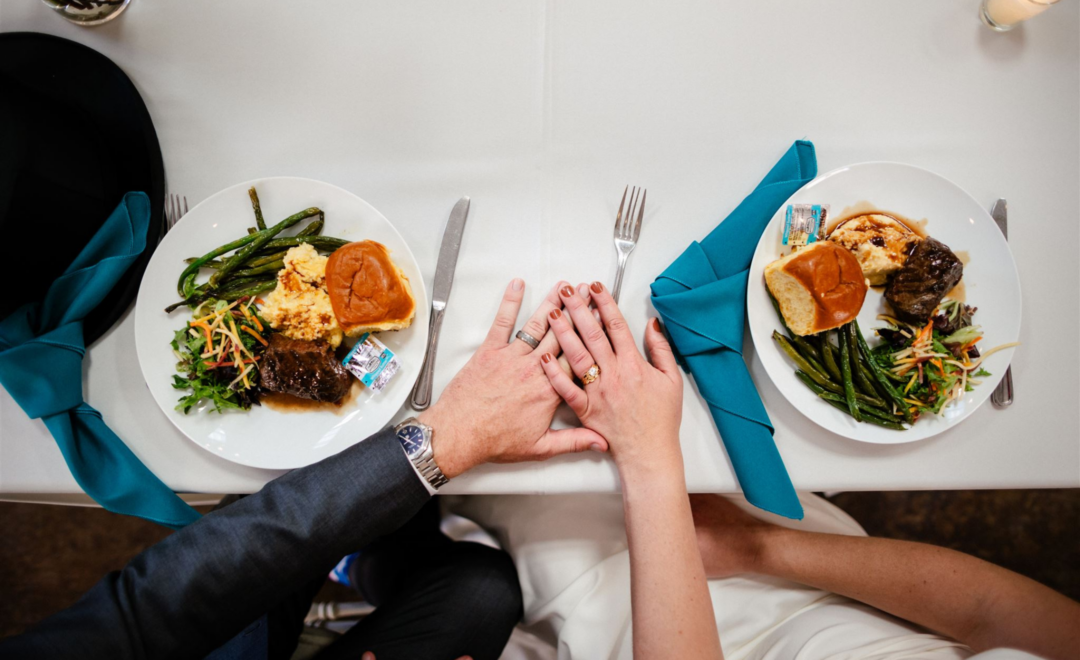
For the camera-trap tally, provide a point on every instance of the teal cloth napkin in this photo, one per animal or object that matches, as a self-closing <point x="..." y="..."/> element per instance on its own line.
<point x="702" y="299"/>
<point x="41" y="353"/>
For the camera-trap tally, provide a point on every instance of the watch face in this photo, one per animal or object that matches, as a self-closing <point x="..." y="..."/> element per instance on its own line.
<point x="412" y="439"/>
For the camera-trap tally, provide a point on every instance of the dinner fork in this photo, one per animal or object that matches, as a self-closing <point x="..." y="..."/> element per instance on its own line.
<point x="175" y="208"/>
<point x="627" y="231"/>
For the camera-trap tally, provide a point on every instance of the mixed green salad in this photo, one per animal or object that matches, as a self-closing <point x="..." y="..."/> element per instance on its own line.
<point x="218" y="352"/>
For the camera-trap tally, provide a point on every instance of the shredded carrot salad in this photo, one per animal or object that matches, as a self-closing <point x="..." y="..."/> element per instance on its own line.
<point x="936" y="369"/>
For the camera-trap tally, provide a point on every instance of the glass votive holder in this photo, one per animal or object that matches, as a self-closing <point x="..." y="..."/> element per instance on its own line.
<point x="1004" y="15"/>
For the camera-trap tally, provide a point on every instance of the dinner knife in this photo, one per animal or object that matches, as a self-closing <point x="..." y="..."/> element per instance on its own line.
<point x="444" y="279"/>
<point x="1003" y="393"/>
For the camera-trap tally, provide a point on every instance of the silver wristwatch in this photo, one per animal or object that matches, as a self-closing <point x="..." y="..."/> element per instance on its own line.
<point x="415" y="439"/>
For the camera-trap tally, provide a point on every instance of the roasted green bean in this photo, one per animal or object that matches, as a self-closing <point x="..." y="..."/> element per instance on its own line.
<point x="327" y="243"/>
<point x="314" y="227"/>
<point x="819" y="377"/>
<point x="858" y="370"/>
<point x="187" y="277"/>
<point x="259" y="221"/>
<point x="873" y="416"/>
<point x="877" y="371"/>
<point x="257" y="261"/>
<point x="270" y="267"/>
<point x="258" y="241"/>
<point x="251" y="290"/>
<point x="845" y="369"/>
<point x="801" y="361"/>
<point x="829" y="356"/>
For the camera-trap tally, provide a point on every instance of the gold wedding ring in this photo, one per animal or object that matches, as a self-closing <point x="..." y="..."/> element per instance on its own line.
<point x="591" y="375"/>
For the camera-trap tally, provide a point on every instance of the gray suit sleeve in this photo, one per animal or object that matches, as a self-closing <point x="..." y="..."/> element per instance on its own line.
<point x="193" y="591"/>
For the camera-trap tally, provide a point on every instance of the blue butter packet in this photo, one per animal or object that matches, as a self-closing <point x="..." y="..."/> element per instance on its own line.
<point x="804" y="224"/>
<point x="372" y="362"/>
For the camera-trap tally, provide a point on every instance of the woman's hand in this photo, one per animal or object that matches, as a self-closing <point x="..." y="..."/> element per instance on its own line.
<point x="635" y="405"/>
<point x="499" y="406"/>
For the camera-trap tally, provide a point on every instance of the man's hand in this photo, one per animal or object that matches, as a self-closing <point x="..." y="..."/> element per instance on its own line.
<point x="499" y="407"/>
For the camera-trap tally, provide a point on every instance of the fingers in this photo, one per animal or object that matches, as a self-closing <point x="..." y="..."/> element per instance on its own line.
<point x="583" y="291"/>
<point x="660" y="353"/>
<point x="550" y="343"/>
<point x="618" y="331"/>
<point x="564" y="364"/>
<point x="588" y="328"/>
<point x="537" y="325"/>
<point x="573" y="349"/>
<point x="568" y="441"/>
<point x="506" y="317"/>
<point x="564" y="386"/>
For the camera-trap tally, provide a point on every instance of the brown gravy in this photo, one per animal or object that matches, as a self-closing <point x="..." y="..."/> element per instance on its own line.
<point x="290" y="404"/>
<point x="917" y="227"/>
<point x="959" y="292"/>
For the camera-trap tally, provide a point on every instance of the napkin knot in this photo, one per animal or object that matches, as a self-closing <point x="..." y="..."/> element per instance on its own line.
<point x="43" y="374"/>
<point x="41" y="352"/>
<point x="694" y="311"/>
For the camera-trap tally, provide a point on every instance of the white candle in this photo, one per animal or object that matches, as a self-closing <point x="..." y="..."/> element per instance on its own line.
<point x="1004" y="14"/>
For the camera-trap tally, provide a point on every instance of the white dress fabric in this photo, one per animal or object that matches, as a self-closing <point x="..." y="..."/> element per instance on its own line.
<point x="573" y="563"/>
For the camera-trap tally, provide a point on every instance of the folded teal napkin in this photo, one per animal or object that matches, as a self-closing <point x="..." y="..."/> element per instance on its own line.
<point x="702" y="299"/>
<point x="41" y="353"/>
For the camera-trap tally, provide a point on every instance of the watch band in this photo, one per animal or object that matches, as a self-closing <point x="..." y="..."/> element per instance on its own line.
<point x="425" y="465"/>
<point x="424" y="461"/>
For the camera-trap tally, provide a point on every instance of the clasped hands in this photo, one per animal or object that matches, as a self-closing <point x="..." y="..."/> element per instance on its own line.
<point x="499" y="407"/>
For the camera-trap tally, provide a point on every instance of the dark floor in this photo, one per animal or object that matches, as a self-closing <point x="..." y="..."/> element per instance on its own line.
<point x="50" y="555"/>
<point x="1033" y="532"/>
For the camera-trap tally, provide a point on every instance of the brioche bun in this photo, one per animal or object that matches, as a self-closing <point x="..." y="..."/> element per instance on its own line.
<point x="819" y="287"/>
<point x="368" y="292"/>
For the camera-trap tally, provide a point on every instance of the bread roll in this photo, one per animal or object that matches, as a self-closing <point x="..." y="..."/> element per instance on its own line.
<point x="368" y="292"/>
<point x="820" y="287"/>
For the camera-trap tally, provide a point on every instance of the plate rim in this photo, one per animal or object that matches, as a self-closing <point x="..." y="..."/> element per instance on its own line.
<point x="421" y="311"/>
<point x="900" y="437"/>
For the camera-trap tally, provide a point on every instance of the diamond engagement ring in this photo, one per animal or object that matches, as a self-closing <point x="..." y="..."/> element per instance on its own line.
<point x="591" y="375"/>
<point x="527" y="338"/>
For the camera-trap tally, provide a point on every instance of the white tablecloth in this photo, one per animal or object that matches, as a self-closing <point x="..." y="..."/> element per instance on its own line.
<point x="542" y="111"/>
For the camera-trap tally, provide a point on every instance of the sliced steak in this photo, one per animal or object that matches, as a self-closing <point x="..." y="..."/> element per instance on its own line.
<point x="929" y="273"/>
<point x="307" y="369"/>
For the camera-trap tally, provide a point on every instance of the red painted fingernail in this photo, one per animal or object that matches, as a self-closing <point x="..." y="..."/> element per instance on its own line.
<point x="597" y="287"/>
<point x="547" y="357"/>
<point x="656" y="324"/>
<point x="555" y="314"/>
<point x="566" y="291"/>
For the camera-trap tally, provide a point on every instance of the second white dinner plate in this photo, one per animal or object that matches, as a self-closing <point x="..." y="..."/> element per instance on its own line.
<point x="267" y="437"/>
<point x="952" y="216"/>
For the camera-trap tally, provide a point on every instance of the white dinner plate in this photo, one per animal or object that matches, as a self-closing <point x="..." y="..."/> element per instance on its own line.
<point x="265" y="437"/>
<point x="953" y="217"/>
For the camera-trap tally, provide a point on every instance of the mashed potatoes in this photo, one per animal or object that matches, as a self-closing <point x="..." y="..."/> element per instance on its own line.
<point x="880" y="242"/>
<point x="299" y="307"/>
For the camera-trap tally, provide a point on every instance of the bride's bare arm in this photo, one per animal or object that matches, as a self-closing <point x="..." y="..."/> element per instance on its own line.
<point x="636" y="406"/>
